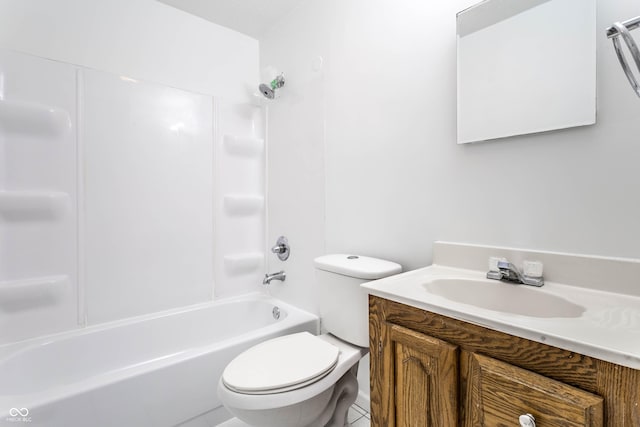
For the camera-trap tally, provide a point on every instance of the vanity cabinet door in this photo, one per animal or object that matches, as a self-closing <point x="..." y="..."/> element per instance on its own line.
<point x="419" y="381"/>
<point x="496" y="394"/>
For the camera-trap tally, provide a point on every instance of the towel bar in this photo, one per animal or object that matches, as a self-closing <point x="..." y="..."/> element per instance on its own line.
<point x="621" y="30"/>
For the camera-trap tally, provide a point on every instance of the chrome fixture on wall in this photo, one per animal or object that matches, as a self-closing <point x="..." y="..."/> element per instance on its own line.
<point x="269" y="90"/>
<point x="622" y="30"/>
<point x="282" y="248"/>
<point x="280" y="275"/>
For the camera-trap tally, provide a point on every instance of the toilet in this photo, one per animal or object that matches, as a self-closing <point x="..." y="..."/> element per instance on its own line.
<point x="303" y="380"/>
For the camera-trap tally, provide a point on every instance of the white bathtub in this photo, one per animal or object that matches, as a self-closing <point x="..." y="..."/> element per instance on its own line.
<point x="155" y="371"/>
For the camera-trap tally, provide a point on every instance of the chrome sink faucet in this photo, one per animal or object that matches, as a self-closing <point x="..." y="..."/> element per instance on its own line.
<point x="280" y="275"/>
<point x="508" y="272"/>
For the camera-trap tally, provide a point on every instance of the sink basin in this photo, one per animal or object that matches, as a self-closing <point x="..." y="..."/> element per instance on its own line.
<point x="504" y="297"/>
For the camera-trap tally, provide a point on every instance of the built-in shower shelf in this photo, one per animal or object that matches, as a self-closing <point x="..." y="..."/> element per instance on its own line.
<point x="238" y="264"/>
<point x="243" y="146"/>
<point x="33" y="205"/>
<point x="13" y="292"/>
<point x="33" y="119"/>
<point x="243" y="204"/>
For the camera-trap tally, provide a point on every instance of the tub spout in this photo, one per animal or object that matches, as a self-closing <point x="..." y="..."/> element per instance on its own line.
<point x="280" y="275"/>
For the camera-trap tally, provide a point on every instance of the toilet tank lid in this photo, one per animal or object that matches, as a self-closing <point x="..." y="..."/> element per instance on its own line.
<point x="360" y="267"/>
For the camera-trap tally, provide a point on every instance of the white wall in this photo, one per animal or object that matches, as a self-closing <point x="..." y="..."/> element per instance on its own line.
<point x="143" y="39"/>
<point x="295" y="152"/>
<point x="566" y="191"/>
<point x="395" y="180"/>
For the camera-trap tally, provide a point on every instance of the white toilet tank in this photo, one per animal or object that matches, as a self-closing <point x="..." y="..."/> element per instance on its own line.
<point x="344" y="305"/>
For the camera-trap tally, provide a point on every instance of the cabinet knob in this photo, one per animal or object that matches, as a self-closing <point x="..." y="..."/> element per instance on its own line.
<point x="527" y="420"/>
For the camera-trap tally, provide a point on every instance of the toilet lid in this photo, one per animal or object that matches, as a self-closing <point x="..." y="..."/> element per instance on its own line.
<point x="281" y="364"/>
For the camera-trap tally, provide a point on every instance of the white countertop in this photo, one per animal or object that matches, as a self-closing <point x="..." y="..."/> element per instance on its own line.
<point x="608" y="329"/>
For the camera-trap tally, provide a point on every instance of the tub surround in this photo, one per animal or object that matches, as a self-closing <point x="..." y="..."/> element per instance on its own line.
<point x="83" y="245"/>
<point x="607" y="327"/>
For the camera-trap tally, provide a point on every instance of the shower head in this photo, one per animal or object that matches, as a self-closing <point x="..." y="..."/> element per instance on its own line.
<point x="269" y="90"/>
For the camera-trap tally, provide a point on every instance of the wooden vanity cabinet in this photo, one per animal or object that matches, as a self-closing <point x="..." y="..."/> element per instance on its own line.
<point x="432" y="370"/>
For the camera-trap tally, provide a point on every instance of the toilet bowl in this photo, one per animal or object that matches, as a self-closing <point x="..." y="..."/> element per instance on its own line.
<point x="302" y="380"/>
<point x="298" y="405"/>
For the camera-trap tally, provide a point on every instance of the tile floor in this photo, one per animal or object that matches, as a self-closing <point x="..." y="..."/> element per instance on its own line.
<point x="358" y="417"/>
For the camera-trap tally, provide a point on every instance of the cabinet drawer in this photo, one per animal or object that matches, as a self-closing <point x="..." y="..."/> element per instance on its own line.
<point x="497" y="393"/>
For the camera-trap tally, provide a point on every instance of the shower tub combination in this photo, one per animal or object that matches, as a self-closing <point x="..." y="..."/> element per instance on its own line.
<point x="154" y="370"/>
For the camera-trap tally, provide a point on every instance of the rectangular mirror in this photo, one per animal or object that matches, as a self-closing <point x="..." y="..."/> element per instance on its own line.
<point x="525" y="66"/>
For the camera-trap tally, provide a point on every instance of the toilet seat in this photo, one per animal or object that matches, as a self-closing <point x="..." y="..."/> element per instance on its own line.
<point x="281" y="364"/>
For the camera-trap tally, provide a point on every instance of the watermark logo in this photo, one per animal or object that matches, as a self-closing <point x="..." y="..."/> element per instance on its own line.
<point x="19" y="415"/>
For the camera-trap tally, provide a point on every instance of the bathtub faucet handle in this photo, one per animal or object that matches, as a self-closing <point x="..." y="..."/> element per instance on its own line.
<point x="282" y="249"/>
<point x="278" y="249"/>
